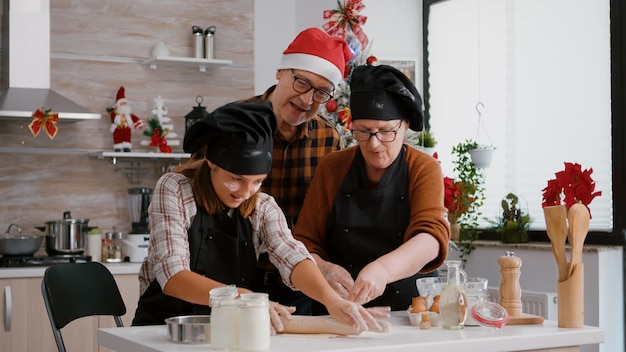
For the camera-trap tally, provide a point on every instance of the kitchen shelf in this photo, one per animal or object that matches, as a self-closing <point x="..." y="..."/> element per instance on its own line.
<point x="174" y="61"/>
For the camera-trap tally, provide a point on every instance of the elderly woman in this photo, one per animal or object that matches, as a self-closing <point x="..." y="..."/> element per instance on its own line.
<point x="373" y="217"/>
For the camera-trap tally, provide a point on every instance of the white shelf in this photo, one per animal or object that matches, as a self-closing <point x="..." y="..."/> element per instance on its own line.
<point x="130" y="163"/>
<point x="142" y="155"/>
<point x="173" y="61"/>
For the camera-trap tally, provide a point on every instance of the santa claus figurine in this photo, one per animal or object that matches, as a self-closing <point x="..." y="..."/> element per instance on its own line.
<point x="123" y="122"/>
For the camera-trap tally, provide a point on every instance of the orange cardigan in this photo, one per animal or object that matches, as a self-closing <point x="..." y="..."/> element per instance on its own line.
<point x="425" y="196"/>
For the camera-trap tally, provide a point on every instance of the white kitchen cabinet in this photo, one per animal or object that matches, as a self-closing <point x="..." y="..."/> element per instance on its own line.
<point x="29" y="325"/>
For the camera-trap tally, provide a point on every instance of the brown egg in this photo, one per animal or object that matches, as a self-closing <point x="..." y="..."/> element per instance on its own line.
<point x="435" y="307"/>
<point x="418" y="305"/>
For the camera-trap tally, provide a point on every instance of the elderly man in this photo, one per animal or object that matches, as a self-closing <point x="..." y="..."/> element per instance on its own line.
<point x="309" y="70"/>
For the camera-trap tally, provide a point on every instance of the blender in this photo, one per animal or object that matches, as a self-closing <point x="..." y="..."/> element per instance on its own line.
<point x="138" y="202"/>
<point x="136" y="242"/>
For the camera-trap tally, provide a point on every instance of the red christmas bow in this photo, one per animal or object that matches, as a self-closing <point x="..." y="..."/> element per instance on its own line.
<point x="159" y="141"/>
<point x="45" y="119"/>
<point x="345" y="116"/>
<point x="346" y="16"/>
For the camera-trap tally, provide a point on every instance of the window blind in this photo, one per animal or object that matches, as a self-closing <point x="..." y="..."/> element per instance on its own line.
<point x="541" y="69"/>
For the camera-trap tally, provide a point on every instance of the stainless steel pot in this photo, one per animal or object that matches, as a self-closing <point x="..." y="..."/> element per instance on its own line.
<point x="66" y="236"/>
<point x="19" y="245"/>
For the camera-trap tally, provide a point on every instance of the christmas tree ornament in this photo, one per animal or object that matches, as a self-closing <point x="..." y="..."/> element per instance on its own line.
<point x="346" y="19"/>
<point x="331" y="105"/>
<point x="372" y="61"/>
<point x="45" y="119"/>
<point x="160" y="134"/>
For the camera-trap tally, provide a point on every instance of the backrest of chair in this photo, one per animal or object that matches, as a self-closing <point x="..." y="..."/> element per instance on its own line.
<point x="77" y="290"/>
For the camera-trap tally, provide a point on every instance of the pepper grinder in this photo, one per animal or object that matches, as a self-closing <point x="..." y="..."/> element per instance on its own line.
<point x="510" y="290"/>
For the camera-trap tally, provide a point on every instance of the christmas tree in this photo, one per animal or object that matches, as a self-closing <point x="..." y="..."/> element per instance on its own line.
<point x="345" y="22"/>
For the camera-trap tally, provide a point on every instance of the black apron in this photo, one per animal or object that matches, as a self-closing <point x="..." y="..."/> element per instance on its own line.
<point x="366" y="223"/>
<point x="221" y="248"/>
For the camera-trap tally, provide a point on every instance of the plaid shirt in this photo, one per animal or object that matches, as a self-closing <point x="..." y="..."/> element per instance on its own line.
<point x="294" y="162"/>
<point x="172" y="211"/>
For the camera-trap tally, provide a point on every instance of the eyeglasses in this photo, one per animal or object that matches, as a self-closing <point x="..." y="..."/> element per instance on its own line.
<point x="301" y="86"/>
<point x="383" y="135"/>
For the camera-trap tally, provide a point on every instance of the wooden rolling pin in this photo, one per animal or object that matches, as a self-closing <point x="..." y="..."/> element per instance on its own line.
<point x="324" y="324"/>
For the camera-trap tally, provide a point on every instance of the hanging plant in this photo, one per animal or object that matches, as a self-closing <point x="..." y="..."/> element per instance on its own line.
<point x="472" y="181"/>
<point x="481" y="154"/>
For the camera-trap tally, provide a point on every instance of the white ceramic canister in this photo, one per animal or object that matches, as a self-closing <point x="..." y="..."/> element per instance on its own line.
<point x="224" y="318"/>
<point x="94" y="244"/>
<point x="254" y="322"/>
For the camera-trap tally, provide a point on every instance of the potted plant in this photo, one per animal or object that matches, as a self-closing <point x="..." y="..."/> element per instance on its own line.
<point x="513" y="224"/>
<point x="472" y="192"/>
<point x="480" y="154"/>
<point x="423" y="140"/>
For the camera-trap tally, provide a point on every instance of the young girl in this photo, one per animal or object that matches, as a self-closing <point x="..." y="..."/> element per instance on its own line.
<point x="209" y="222"/>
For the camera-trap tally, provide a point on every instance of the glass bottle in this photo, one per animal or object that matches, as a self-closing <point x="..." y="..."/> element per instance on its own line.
<point x="224" y="318"/>
<point x="254" y="322"/>
<point x="453" y="302"/>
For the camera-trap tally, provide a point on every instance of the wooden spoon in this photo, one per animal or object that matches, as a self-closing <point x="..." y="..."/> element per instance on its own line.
<point x="556" y="227"/>
<point x="578" y="219"/>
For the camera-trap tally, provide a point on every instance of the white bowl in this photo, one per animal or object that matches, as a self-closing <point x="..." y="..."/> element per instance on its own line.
<point x="416" y="318"/>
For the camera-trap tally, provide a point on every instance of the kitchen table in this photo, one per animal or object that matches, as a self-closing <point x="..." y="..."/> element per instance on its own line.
<point x="402" y="337"/>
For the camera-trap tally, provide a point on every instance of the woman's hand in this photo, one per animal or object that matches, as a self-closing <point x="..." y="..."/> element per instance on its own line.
<point x="359" y="318"/>
<point x="369" y="284"/>
<point x="277" y="313"/>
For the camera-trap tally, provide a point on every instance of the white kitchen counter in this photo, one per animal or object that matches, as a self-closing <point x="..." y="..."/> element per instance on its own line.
<point x="401" y="337"/>
<point x="37" y="271"/>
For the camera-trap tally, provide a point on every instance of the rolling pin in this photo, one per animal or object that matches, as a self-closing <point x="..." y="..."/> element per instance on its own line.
<point x="323" y="324"/>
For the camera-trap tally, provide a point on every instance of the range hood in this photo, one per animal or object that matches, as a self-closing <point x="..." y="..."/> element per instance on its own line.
<point x="25" y="69"/>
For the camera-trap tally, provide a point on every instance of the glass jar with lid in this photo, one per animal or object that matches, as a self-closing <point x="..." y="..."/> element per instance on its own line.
<point x="112" y="246"/>
<point x="254" y="322"/>
<point x="224" y="317"/>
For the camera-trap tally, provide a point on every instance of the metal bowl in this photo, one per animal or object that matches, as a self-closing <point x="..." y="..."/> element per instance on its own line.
<point x="191" y="329"/>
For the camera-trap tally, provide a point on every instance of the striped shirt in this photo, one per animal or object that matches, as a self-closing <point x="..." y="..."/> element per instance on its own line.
<point x="294" y="162"/>
<point x="172" y="211"/>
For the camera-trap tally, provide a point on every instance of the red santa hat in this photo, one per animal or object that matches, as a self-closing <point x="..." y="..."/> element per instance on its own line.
<point x="120" y="96"/>
<point x="315" y="51"/>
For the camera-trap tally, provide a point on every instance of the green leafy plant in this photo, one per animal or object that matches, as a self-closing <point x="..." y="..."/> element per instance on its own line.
<point x="513" y="224"/>
<point x="423" y="138"/>
<point x="472" y="181"/>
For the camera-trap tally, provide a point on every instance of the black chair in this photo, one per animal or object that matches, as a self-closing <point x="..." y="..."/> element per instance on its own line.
<point x="72" y="291"/>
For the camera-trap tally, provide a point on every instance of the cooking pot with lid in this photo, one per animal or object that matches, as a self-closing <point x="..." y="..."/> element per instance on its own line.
<point x="66" y="236"/>
<point x="20" y="244"/>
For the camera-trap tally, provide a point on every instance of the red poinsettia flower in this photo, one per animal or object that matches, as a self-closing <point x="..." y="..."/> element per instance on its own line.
<point x="457" y="197"/>
<point x="574" y="184"/>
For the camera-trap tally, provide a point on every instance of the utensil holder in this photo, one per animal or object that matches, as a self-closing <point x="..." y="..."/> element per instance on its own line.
<point x="571" y="299"/>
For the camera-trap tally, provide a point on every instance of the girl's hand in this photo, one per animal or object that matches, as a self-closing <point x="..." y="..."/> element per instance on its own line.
<point x="277" y="313"/>
<point x="359" y="318"/>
